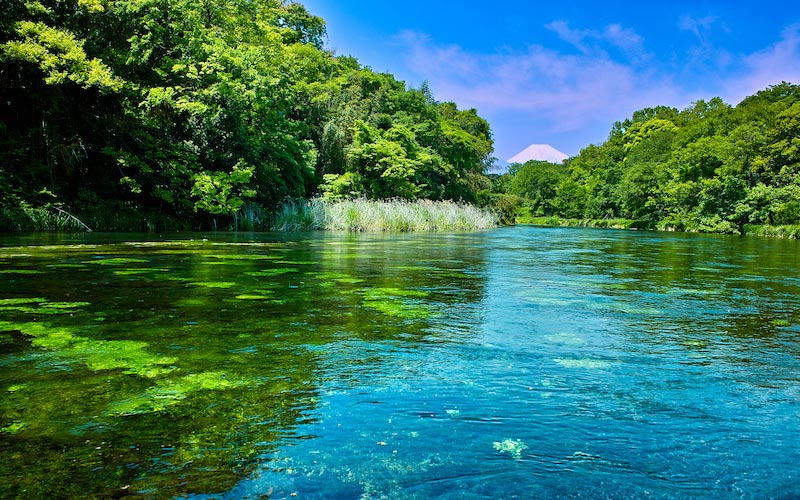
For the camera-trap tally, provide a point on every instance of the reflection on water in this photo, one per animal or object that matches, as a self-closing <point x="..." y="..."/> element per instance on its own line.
<point x="516" y="363"/>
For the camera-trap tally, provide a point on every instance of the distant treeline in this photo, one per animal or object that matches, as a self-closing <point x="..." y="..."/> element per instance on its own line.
<point x="139" y="113"/>
<point x="711" y="167"/>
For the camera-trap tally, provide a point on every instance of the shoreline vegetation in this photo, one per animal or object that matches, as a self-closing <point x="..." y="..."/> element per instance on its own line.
<point x="391" y="215"/>
<point x="789" y="231"/>
<point x="129" y="116"/>
<point x="357" y="215"/>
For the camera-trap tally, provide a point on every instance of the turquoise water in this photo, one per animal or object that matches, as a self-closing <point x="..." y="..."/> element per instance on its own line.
<point x="517" y="363"/>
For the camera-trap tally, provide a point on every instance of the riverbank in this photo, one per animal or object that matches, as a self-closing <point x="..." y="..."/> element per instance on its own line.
<point x="786" y="232"/>
<point x="391" y="215"/>
<point x="357" y="215"/>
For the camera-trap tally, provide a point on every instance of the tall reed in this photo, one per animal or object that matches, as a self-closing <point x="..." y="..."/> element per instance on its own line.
<point x="46" y="218"/>
<point x="791" y="232"/>
<point x="390" y="215"/>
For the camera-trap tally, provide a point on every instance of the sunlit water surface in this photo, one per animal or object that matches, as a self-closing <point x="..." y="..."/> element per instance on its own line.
<point x="517" y="363"/>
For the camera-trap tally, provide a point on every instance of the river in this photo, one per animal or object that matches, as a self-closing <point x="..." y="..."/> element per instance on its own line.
<point x="522" y="362"/>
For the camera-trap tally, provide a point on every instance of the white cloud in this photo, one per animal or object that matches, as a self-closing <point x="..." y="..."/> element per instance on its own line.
<point x="581" y="94"/>
<point x="598" y="41"/>
<point x="561" y="90"/>
<point x="772" y="65"/>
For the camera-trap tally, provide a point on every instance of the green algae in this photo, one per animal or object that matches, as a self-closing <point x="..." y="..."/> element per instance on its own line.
<point x="137" y="272"/>
<point x="261" y="295"/>
<point x="397" y="302"/>
<point x="192" y="302"/>
<point x="166" y="393"/>
<point x="21" y="300"/>
<point x="39" y="306"/>
<point x="117" y="261"/>
<point x="625" y="309"/>
<point x="339" y="278"/>
<point x="272" y="272"/>
<point x="14" y="428"/>
<point x="245" y="257"/>
<point x="127" y="355"/>
<point x="214" y="284"/>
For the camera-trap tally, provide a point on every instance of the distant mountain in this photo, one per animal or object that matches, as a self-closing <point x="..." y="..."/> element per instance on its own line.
<point x="539" y="152"/>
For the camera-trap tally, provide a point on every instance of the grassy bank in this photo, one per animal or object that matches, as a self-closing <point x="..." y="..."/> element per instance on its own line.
<point x="788" y="232"/>
<point x="392" y="215"/>
<point x="599" y="223"/>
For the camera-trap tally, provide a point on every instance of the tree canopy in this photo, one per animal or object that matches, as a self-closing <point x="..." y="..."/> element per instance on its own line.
<point x="195" y="108"/>
<point x="710" y="167"/>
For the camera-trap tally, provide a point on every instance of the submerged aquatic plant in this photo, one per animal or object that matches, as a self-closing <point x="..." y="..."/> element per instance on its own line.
<point x="397" y="302"/>
<point x="167" y="393"/>
<point x="585" y="363"/>
<point x="127" y="355"/>
<point x="513" y="447"/>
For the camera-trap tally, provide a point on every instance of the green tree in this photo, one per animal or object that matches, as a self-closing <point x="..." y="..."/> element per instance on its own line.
<point x="537" y="181"/>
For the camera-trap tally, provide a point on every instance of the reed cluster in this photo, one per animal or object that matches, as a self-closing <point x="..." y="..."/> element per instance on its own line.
<point x="791" y="232"/>
<point x="388" y="215"/>
<point x="47" y="218"/>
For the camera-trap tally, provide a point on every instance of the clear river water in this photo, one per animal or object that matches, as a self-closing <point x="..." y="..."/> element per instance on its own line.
<point x="522" y="362"/>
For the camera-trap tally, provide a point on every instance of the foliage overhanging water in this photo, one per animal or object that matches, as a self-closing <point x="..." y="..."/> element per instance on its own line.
<point x="517" y="363"/>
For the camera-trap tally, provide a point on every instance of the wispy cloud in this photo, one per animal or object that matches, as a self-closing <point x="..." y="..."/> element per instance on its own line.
<point x="774" y="64"/>
<point x="578" y="94"/>
<point x="562" y="90"/>
<point x="598" y="41"/>
<point x="704" y="54"/>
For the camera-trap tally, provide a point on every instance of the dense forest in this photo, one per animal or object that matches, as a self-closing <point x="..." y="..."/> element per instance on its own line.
<point x="143" y="114"/>
<point x="135" y="114"/>
<point x="711" y="167"/>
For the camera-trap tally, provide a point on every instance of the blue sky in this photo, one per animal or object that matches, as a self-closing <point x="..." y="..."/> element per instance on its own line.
<point x="562" y="73"/>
